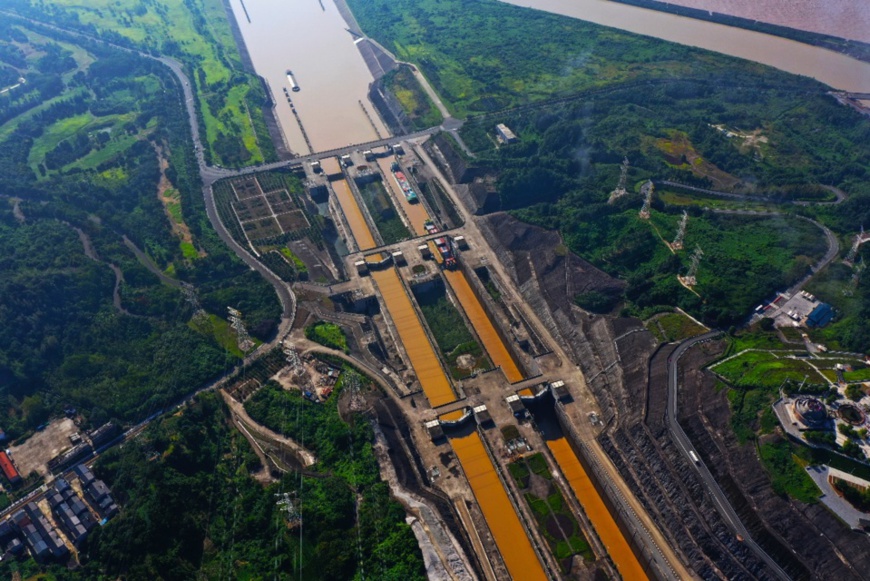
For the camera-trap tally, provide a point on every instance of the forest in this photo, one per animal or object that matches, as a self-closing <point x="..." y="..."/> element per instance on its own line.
<point x="90" y="300"/>
<point x="190" y="508"/>
<point x="385" y="547"/>
<point x="581" y="98"/>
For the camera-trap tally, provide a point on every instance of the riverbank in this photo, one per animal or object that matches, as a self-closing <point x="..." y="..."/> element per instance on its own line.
<point x="855" y="49"/>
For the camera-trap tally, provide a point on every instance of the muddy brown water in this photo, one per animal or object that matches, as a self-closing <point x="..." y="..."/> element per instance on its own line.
<point x="843" y="18"/>
<point x="508" y="532"/>
<point x="834" y="69"/>
<point x="313" y="42"/>
<point x="359" y="228"/>
<point x="605" y="526"/>
<point x="420" y="350"/>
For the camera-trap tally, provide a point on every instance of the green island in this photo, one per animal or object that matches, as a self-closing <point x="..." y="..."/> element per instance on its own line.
<point x="458" y="347"/>
<point x="555" y="520"/>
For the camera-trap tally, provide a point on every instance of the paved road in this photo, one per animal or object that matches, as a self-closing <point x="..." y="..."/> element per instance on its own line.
<point x="838" y="193"/>
<point x="684" y="445"/>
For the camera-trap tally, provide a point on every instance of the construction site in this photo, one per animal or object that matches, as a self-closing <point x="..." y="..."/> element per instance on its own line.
<point x="456" y="427"/>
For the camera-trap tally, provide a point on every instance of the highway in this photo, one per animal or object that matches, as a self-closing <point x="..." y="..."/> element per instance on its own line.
<point x="723" y="506"/>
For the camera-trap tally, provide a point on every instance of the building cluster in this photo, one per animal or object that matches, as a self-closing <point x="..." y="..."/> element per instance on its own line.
<point x="98" y="494"/>
<point x="72" y="518"/>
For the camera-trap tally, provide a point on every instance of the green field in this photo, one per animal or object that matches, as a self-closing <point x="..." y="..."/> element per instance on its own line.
<point x="554" y="518"/>
<point x="417" y="105"/>
<point x="786" y="473"/>
<point x="383" y="212"/>
<point x="765" y="369"/>
<point x="671" y="327"/>
<point x="197" y="33"/>
<point x="328" y="334"/>
<point x="454" y="340"/>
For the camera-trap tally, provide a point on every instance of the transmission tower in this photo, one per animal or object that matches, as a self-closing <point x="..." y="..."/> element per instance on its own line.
<point x="244" y="340"/>
<point x="677" y="244"/>
<point x="294" y="519"/>
<point x="646" y="191"/>
<point x="690" y="278"/>
<point x="293" y="358"/>
<point x="620" y="187"/>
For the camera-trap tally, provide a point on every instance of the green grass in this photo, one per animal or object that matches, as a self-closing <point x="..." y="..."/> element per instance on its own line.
<point x="416" y="103"/>
<point x="786" y="473"/>
<point x="297" y="262"/>
<point x="220" y="329"/>
<point x="196" y="32"/>
<point x="763" y="369"/>
<point x="189" y="250"/>
<point x="328" y="334"/>
<point x="677" y="326"/>
<point x="755" y="339"/>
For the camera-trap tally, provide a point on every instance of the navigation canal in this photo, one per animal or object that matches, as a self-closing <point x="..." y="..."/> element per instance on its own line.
<point x="593" y="505"/>
<point x="832" y="68"/>
<point x="311" y="39"/>
<point x="420" y="351"/>
<point x="514" y="545"/>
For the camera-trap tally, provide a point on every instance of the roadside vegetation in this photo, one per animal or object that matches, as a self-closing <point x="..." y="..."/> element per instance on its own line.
<point x="351" y="523"/>
<point x="80" y="168"/>
<point x="230" y="100"/>
<point x="328" y="334"/>
<point x="673" y="327"/>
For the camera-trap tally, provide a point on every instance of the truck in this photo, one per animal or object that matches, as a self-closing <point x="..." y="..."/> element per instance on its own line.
<point x="694" y="457"/>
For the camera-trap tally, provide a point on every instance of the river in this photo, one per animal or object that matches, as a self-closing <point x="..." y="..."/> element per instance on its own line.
<point x="832" y="68"/>
<point x="310" y="38"/>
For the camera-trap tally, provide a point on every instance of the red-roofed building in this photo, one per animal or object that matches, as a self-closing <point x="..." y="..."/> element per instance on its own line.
<point x="9" y="469"/>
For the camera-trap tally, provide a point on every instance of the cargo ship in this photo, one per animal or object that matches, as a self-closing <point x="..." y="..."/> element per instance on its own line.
<point x="404" y="185"/>
<point x="290" y="79"/>
<point x="445" y="248"/>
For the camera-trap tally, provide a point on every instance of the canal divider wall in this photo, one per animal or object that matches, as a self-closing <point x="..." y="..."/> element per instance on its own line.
<point x="634" y="531"/>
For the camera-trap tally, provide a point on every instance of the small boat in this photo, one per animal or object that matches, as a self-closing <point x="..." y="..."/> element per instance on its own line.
<point x="290" y="79"/>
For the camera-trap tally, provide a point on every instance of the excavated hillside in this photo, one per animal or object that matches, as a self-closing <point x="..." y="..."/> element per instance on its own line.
<point x="627" y="370"/>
